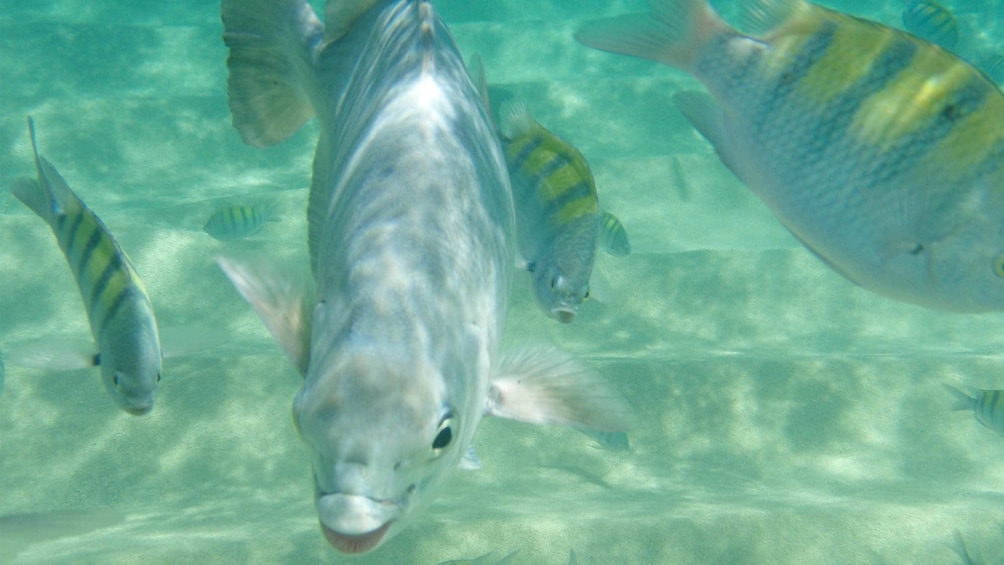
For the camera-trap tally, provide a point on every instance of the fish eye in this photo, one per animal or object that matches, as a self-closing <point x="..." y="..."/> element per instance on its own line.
<point x="444" y="436"/>
<point x="999" y="266"/>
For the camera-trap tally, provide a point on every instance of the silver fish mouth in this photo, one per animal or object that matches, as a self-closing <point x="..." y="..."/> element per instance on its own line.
<point x="139" y="409"/>
<point x="355" y="544"/>
<point x="563" y="315"/>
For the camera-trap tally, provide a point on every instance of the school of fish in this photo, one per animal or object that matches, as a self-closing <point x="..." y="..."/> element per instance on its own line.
<point x="879" y="149"/>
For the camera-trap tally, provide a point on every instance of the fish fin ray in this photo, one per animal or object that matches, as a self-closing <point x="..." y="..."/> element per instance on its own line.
<point x="963" y="401"/>
<point x="600" y="289"/>
<point x="544" y="385"/>
<point x="672" y="33"/>
<point x="470" y="460"/>
<point x="340" y="15"/>
<point x="272" y="48"/>
<point x="283" y="300"/>
<point x="53" y="354"/>
<point x="514" y="118"/>
<point x="759" y="17"/>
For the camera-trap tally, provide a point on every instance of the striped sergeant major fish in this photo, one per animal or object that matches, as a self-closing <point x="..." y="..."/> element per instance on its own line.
<point x="237" y="222"/>
<point x="557" y="211"/>
<point x="410" y="232"/>
<point x="987" y="406"/>
<point x="118" y="308"/>
<point x="613" y="237"/>
<point x="882" y="153"/>
<point x="930" y="21"/>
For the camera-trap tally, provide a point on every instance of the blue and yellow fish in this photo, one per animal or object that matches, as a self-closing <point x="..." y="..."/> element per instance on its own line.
<point x="987" y="406"/>
<point x="236" y="222"/>
<point x="557" y="211"/>
<point x="118" y="308"/>
<point x="882" y="153"/>
<point x="932" y="22"/>
<point x="613" y="237"/>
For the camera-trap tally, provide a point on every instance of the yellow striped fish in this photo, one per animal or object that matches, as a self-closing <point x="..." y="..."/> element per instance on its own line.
<point x="236" y="222"/>
<point x="882" y="153"/>
<point x="613" y="236"/>
<point x="931" y="21"/>
<point x="557" y="210"/>
<point x="987" y="406"/>
<point x="118" y="308"/>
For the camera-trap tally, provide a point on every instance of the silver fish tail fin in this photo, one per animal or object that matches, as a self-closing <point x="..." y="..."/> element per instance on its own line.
<point x="273" y="45"/>
<point x="282" y="297"/>
<point x="544" y="385"/>
<point x="963" y="401"/>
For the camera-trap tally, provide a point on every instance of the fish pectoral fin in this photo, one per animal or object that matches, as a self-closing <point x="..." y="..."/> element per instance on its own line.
<point x="282" y="297"/>
<point x="544" y="385"/>
<point x="53" y="354"/>
<point x="272" y="48"/>
<point x="470" y="460"/>
<point x="600" y="289"/>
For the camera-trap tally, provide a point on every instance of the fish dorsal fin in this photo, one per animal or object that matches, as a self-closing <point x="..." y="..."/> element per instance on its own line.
<point x="759" y="17"/>
<point x="476" y="70"/>
<point x="273" y="46"/>
<point x="514" y="119"/>
<point x="340" y="15"/>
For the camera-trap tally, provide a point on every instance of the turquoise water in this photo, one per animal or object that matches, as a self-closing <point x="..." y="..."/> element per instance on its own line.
<point x="785" y="415"/>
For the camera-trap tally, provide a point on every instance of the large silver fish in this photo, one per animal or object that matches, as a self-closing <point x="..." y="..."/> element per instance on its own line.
<point x="410" y="225"/>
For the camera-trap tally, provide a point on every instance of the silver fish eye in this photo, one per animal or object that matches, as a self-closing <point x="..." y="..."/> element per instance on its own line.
<point x="444" y="434"/>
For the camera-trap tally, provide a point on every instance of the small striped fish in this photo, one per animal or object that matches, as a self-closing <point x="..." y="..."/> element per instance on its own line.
<point x="987" y="406"/>
<point x="118" y="308"/>
<point x="613" y="236"/>
<point x="882" y="153"/>
<point x="557" y="210"/>
<point x="236" y="222"/>
<point x="932" y="22"/>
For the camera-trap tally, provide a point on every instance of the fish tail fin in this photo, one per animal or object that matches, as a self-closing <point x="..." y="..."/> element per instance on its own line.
<point x="613" y="237"/>
<point x="514" y="118"/>
<point x="49" y="196"/>
<point x="282" y="298"/>
<point x="962" y="400"/>
<point x="273" y="46"/>
<point x="673" y="32"/>
<point x="544" y="385"/>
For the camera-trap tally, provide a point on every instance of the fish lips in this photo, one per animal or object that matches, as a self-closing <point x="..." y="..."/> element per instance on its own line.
<point x="355" y="524"/>
<point x="563" y="314"/>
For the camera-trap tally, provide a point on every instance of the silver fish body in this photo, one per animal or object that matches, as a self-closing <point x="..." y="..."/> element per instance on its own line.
<point x="410" y="232"/>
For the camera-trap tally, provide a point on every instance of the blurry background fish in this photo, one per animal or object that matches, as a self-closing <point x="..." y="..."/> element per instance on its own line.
<point x="987" y="406"/>
<point x="929" y="20"/>
<point x="238" y="222"/>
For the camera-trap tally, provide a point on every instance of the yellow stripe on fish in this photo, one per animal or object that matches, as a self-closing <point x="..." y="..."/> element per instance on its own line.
<point x="881" y="152"/>
<point x="118" y="307"/>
